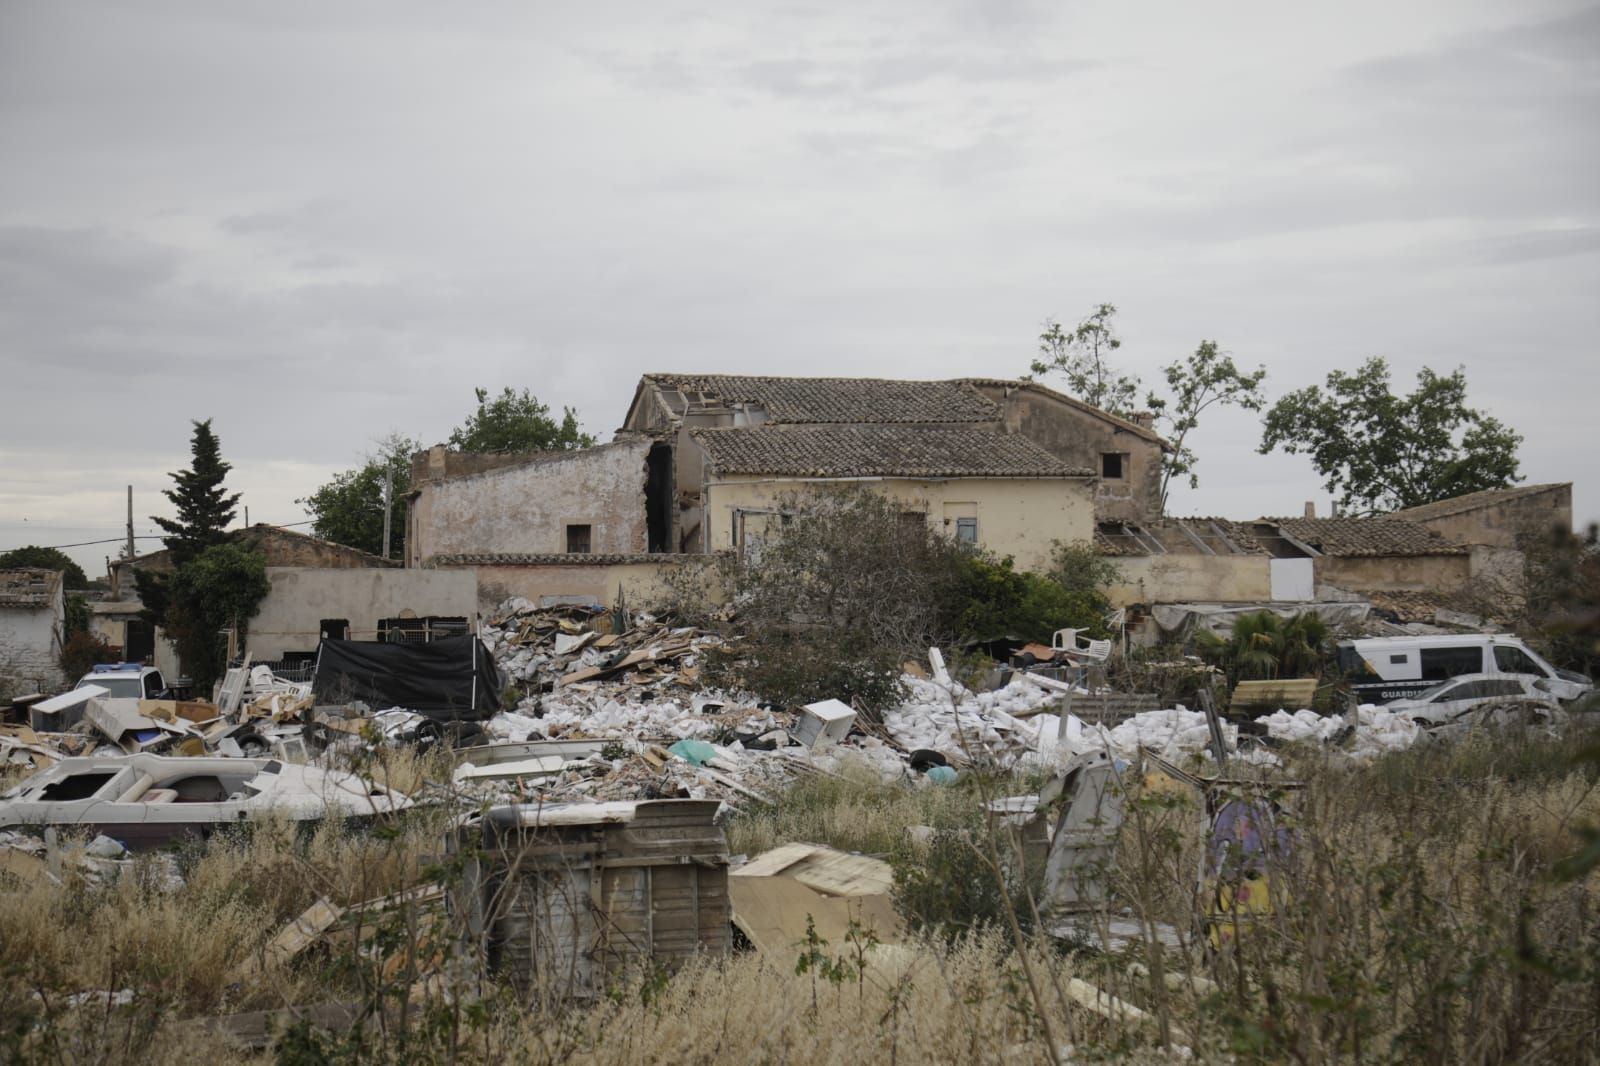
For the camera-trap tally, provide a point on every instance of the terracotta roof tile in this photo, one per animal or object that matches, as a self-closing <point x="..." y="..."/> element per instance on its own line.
<point x="841" y="400"/>
<point x="879" y="451"/>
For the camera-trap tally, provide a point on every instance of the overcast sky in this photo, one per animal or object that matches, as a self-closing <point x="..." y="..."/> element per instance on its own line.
<point x="321" y="222"/>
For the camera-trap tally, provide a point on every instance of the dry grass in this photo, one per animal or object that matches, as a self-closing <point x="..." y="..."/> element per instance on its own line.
<point x="1418" y="919"/>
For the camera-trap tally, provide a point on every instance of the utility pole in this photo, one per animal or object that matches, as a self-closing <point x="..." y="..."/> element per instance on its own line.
<point x="388" y="507"/>
<point x="130" y="521"/>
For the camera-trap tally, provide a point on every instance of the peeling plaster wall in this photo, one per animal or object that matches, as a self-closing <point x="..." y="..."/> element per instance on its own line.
<point x="29" y="643"/>
<point x="642" y="583"/>
<point x="291" y="615"/>
<point x="526" y="509"/>
<point x="1188" y="578"/>
<point x="1019" y="517"/>
<point x="1409" y="573"/>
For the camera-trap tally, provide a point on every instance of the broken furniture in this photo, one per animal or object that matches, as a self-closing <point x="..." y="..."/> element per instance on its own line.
<point x="562" y="898"/>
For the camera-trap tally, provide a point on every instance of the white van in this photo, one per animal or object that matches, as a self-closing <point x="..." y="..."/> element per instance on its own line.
<point x="1381" y="669"/>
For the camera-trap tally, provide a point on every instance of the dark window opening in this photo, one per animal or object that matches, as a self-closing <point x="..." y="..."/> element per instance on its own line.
<point x="1113" y="465"/>
<point x="334" y="628"/>
<point x="1397" y="658"/>
<point x="1441" y="664"/>
<point x="657" y="498"/>
<point x="139" y="641"/>
<point x="578" y="539"/>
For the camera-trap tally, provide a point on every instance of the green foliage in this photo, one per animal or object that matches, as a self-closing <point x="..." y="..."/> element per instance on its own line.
<point x="205" y="510"/>
<point x="790" y="669"/>
<point x="33" y="557"/>
<point x="1082" y="354"/>
<point x="1207" y="378"/>
<point x="1560" y="596"/>
<point x="224" y="586"/>
<point x="946" y="887"/>
<point x="81" y="651"/>
<point x="999" y="600"/>
<point x="1382" y="452"/>
<point x="1083" y="572"/>
<point x="517" y="423"/>
<point x="1265" y="647"/>
<point x="77" y="620"/>
<point x="349" y="508"/>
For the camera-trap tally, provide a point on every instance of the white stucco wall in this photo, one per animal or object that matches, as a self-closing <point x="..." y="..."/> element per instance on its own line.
<point x="292" y="613"/>
<point x="29" y="645"/>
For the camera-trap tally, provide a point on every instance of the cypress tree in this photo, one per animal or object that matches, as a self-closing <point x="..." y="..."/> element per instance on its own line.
<point x="204" y="508"/>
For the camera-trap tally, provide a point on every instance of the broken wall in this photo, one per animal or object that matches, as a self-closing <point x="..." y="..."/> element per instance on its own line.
<point x="301" y="598"/>
<point x="526" y="509"/>
<point x="1185" y="578"/>
<point x="1019" y="517"/>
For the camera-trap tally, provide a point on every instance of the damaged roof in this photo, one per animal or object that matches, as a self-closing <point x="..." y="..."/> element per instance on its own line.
<point x="817" y="401"/>
<point x="29" y="587"/>
<point x="879" y="451"/>
<point x="1382" y="535"/>
<point x="1127" y="425"/>
<point x="1472" y="501"/>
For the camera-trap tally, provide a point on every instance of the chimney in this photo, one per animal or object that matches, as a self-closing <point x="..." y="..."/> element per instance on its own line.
<point x="1311" y="508"/>
<point x="1143" y="419"/>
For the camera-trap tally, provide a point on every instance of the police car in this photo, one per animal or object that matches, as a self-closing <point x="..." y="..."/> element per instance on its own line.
<point x="133" y="681"/>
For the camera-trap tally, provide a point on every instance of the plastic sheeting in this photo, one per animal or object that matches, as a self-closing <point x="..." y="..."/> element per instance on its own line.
<point x="449" y="679"/>
<point x="1182" y="619"/>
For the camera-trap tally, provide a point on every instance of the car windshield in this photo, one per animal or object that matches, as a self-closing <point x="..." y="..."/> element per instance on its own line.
<point x="119" y="687"/>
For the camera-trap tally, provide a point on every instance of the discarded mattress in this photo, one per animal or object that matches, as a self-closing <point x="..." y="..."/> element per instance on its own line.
<point x="150" y="800"/>
<point x="447" y="680"/>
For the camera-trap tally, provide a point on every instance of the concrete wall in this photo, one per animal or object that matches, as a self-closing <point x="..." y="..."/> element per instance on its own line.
<point x="1411" y="573"/>
<point x="525" y="509"/>
<point x="30" y="641"/>
<point x="1500" y="525"/>
<point x="643" y="583"/>
<point x="301" y="597"/>
<point x="1192" y="578"/>
<point x="440" y="462"/>
<point x="1080" y="437"/>
<point x="1019" y="517"/>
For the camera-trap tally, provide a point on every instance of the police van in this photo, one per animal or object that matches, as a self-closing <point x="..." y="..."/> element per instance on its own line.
<point x="1381" y="669"/>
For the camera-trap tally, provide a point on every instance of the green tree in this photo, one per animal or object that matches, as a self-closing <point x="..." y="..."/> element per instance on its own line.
<point x="517" y="423"/>
<point x="1264" y="647"/>
<point x="1382" y="452"/>
<point x="1207" y="378"/>
<point x="349" y="508"/>
<point x="205" y="509"/>
<point x="223" y="586"/>
<point x="1082" y="355"/>
<point x="34" y="557"/>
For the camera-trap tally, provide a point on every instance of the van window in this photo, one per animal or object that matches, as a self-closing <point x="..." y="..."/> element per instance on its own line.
<point x="1510" y="660"/>
<point x="1440" y="664"/>
<point x="1397" y="658"/>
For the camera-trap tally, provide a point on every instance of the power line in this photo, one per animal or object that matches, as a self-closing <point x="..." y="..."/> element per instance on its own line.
<point x="144" y="536"/>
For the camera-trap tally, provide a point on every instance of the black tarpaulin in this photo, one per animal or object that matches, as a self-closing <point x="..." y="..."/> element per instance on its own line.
<point x="449" y="679"/>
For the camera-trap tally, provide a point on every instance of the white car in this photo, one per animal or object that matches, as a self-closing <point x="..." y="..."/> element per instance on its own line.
<point x="131" y="681"/>
<point x="1465" y="698"/>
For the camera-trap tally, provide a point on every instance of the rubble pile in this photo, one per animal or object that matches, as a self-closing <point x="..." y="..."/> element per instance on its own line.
<point x="546" y="649"/>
